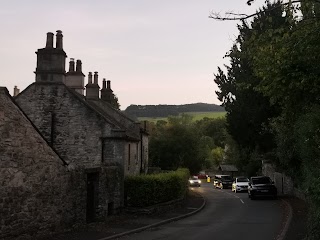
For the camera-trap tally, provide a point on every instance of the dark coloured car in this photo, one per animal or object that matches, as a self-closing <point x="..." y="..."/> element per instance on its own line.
<point x="223" y="181"/>
<point x="261" y="186"/>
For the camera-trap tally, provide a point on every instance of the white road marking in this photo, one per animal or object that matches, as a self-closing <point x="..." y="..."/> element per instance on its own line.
<point x="233" y="196"/>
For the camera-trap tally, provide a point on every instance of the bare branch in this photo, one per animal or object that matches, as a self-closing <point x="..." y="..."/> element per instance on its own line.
<point x="216" y="16"/>
<point x="237" y="14"/>
<point x="241" y="16"/>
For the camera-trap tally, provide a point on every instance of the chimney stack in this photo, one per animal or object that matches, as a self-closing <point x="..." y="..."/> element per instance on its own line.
<point x="71" y="65"/>
<point x="92" y="89"/>
<point x="59" y="37"/>
<point x="49" y="43"/>
<point x="51" y="62"/>
<point x="16" y="91"/>
<point x="106" y="92"/>
<point x="75" y="79"/>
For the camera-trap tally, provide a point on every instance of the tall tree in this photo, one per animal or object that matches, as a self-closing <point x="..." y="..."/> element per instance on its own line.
<point x="176" y="144"/>
<point x="248" y="110"/>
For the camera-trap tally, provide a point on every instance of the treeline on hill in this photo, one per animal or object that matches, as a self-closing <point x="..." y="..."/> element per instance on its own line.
<point x="136" y="111"/>
<point x="271" y="89"/>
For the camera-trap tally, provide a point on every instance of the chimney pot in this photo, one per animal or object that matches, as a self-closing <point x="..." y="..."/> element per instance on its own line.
<point x="79" y="66"/>
<point x="16" y="91"/>
<point x="90" y="78"/>
<point x="108" y="84"/>
<point x="95" y="77"/>
<point x="59" y="37"/>
<point x="71" y="65"/>
<point x="104" y="83"/>
<point x="49" y="43"/>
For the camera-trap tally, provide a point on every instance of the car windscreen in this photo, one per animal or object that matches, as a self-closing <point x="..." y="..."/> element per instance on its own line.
<point x="264" y="180"/>
<point x="242" y="180"/>
<point x="226" y="178"/>
<point x="194" y="178"/>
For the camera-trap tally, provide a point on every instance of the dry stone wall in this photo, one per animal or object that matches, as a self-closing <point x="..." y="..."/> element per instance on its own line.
<point x="283" y="183"/>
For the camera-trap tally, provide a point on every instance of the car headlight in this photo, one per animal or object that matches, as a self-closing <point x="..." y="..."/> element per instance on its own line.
<point x="191" y="181"/>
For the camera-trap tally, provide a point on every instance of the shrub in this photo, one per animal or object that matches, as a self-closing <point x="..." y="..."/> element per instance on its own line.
<point x="147" y="190"/>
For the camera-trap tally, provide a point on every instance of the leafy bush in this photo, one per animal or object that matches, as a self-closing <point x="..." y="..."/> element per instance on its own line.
<point x="147" y="190"/>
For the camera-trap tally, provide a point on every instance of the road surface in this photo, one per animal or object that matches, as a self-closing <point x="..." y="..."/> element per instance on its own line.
<point x="226" y="216"/>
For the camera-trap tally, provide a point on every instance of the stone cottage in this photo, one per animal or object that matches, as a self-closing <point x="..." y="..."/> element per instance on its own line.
<point x="95" y="142"/>
<point x="39" y="192"/>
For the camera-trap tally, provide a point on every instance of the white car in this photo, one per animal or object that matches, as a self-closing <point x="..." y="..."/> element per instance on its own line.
<point x="194" y="181"/>
<point x="240" y="184"/>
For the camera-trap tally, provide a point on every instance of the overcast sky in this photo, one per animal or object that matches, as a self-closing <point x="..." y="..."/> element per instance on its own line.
<point x="154" y="52"/>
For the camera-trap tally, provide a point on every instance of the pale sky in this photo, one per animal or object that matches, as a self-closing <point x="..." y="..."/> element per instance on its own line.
<point x="154" y="52"/>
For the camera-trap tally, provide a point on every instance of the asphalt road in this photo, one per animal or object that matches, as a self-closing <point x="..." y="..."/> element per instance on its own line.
<point x="226" y="216"/>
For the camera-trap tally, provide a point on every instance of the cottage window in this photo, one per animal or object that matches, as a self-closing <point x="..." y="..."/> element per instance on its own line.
<point x="53" y="118"/>
<point x="129" y="156"/>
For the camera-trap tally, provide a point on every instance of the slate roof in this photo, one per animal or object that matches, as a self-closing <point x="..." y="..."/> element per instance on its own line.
<point x="228" y="168"/>
<point x="100" y="107"/>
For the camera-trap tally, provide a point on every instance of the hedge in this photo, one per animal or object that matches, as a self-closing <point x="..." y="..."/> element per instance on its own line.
<point x="147" y="190"/>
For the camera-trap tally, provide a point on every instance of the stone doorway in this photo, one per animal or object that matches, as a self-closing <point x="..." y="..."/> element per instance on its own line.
<point x="92" y="196"/>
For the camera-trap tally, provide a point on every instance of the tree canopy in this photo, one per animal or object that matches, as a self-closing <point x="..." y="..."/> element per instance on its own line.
<point x="181" y="142"/>
<point x="271" y="90"/>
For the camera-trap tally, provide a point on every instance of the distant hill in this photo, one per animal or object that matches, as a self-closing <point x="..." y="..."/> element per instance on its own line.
<point x="154" y="111"/>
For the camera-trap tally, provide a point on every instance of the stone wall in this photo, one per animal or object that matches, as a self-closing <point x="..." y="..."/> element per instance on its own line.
<point x="73" y="129"/>
<point x="39" y="194"/>
<point x="138" y="153"/>
<point x="283" y="183"/>
<point x="132" y="156"/>
<point x="80" y="135"/>
<point x="145" y="152"/>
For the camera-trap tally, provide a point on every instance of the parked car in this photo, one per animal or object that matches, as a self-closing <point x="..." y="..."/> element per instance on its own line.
<point x="202" y="176"/>
<point x="194" y="181"/>
<point x="222" y="181"/>
<point x="240" y="184"/>
<point x="261" y="186"/>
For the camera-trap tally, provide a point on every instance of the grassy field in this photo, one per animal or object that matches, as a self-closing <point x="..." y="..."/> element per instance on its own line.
<point x="196" y="116"/>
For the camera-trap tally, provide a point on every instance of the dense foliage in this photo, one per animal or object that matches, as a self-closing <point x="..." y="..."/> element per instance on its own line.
<point x="180" y="142"/>
<point x="115" y="102"/>
<point x="147" y="190"/>
<point x="271" y="93"/>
